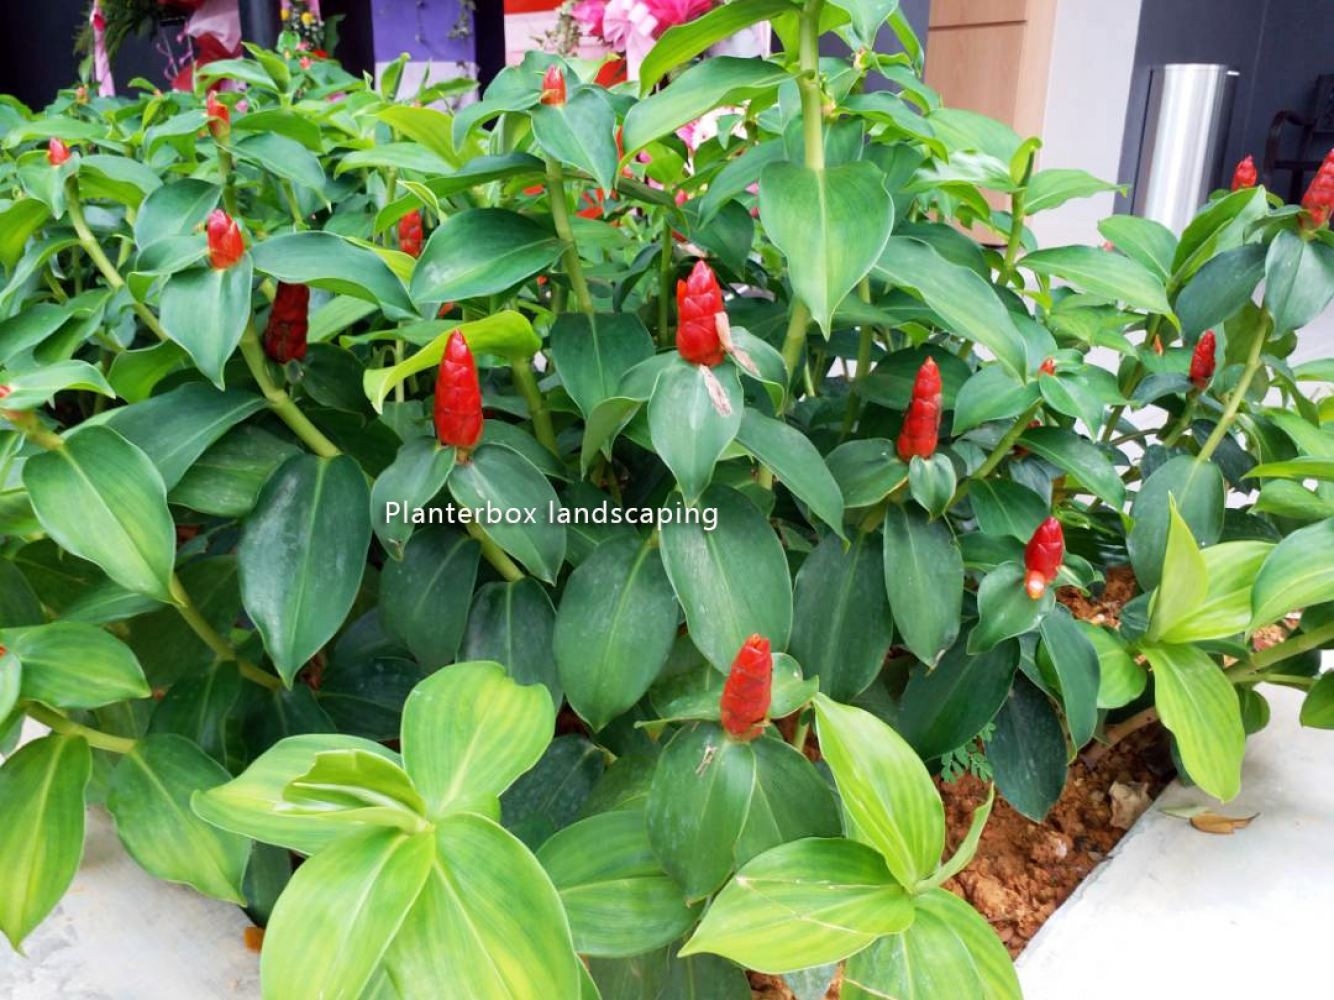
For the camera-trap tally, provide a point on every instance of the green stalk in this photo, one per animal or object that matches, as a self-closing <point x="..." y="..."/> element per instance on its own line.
<point x="495" y="555"/>
<point x="666" y="267"/>
<point x="526" y="383"/>
<point x="560" y="215"/>
<point x="1265" y="658"/>
<point x="226" y="167"/>
<point x="221" y="648"/>
<point x="280" y="402"/>
<point x="1236" y="398"/>
<point x="1015" y="242"/>
<point x="27" y="424"/>
<point x="1007" y="443"/>
<point x="58" y="723"/>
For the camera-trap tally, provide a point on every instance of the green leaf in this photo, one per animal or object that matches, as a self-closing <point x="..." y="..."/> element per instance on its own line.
<point x="488" y="921"/>
<point x="1120" y="679"/>
<point x="866" y="471"/>
<point x="1076" y="456"/>
<point x="1107" y="275"/>
<point x="1026" y="751"/>
<point x="41" y="840"/>
<point x="1055" y="186"/>
<point x="1199" y="705"/>
<point x="688" y="429"/>
<point x="832" y="226"/>
<point x="71" y="665"/>
<point x="841" y="627"/>
<point x="1220" y="226"/>
<point x="301" y="556"/>
<point x="950" y="950"/>
<point x="1074" y="660"/>
<point x="966" y="304"/>
<point x="428" y="126"/>
<point x="325" y="260"/>
<point x="417" y="474"/>
<point x="10" y="680"/>
<point x="226" y="480"/>
<point x="482" y="251"/>
<point x="1220" y="289"/>
<point x="284" y="157"/>
<point x="1299" y="280"/>
<point x="205" y="310"/>
<point x="514" y="624"/>
<point x="580" y="133"/>
<point x="924" y="579"/>
<point x="100" y="498"/>
<point x="1301" y="467"/>
<point x="552" y="795"/>
<point x="134" y="374"/>
<point x="1144" y="240"/>
<point x="1003" y="507"/>
<point x="149" y="798"/>
<point x="805" y="903"/>
<point x="697" y="693"/>
<point x="944" y="708"/>
<point x="592" y="353"/>
<point x="496" y="731"/>
<point x="1298" y="573"/>
<point x="1185" y="577"/>
<point x="354" y="786"/>
<point x="991" y="394"/>
<point x="967" y="848"/>
<point x="868" y="17"/>
<point x="33" y="390"/>
<point x="496" y="483"/>
<point x="932" y="483"/>
<point x="681" y="43"/>
<point x="424" y="598"/>
<point x="703" y="87"/>
<point x="1318" y="707"/>
<point x="340" y="912"/>
<point x="18" y="221"/>
<point x="733" y="581"/>
<point x="796" y="463"/>
<point x="1198" y="490"/>
<point x="253" y="803"/>
<point x="175" y="428"/>
<point x="618" y="899"/>
<point x="886" y="790"/>
<point x="615" y="627"/>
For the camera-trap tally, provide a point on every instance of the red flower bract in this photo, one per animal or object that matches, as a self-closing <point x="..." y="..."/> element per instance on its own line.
<point x="410" y="233"/>
<point x="1319" y="197"/>
<point x="748" y="689"/>
<point x="285" y="333"/>
<point x="921" y="424"/>
<point x="1043" y="556"/>
<point x="1202" y="359"/>
<point x="56" y="152"/>
<point x="458" y="396"/>
<point x="219" y="117"/>
<point x="225" y="243"/>
<point x="699" y="300"/>
<point x="1245" y="176"/>
<point x="553" y="86"/>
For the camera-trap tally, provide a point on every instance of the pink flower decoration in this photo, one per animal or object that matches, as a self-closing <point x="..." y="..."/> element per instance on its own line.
<point x="589" y="14"/>
<point x="669" y="13"/>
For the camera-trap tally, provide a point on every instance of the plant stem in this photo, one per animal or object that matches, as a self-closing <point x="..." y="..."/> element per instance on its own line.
<point x="225" y="167"/>
<point x="1005" y="444"/>
<point x="666" y="268"/>
<point x="1015" y="242"/>
<point x="864" y="346"/>
<point x="495" y="555"/>
<point x="1187" y="414"/>
<point x="795" y="340"/>
<point x="221" y="648"/>
<point x="1116" y="733"/>
<point x="1295" y="646"/>
<point x="280" y="402"/>
<point x="109" y="272"/>
<point x="1235" y="399"/>
<point x="27" y="424"/>
<point x="58" y="723"/>
<point x="526" y="383"/>
<point x="560" y="215"/>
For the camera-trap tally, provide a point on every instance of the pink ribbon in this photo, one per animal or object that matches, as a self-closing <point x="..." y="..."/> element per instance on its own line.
<point x="106" y="86"/>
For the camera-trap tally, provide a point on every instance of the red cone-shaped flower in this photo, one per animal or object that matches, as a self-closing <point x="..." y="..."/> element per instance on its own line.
<point x="1048" y="367"/>
<point x="410" y="233"/>
<point x="1043" y="557"/>
<point x="1202" y="359"/>
<point x="1245" y="175"/>
<point x="553" y="86"/>
<point x="746" y="694"/>
<point x="921" y="424"/>
<point x="219" y="117"/>
<point x="1319" y="197"/>
<point x="225" y="244"/>
<point x="56" y="152"/>
<point x="699" y="300"/>
<point x="458" y="396"/>
<point x="285" y="333"/>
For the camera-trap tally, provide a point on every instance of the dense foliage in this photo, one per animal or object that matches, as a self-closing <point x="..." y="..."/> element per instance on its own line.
<point x="795" y="444"/>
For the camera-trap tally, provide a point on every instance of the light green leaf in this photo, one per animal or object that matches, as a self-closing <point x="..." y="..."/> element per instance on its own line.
<point x="704" y="86"/>
<point x="34" y="389"/>
<point x="1107" y="275"/>
<point x="1231" y="569"/>
<point x="68" y="664"/>
<point x="1198" y="491"/>
<point x="1299" y="572"/>
<point x="1199" y="705"/>
<point x="1185" y="577"/>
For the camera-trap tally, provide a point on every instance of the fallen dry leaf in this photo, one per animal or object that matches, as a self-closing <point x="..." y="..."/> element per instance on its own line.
<point x="1129" y="801"/>
<point x="1211" y="822"/>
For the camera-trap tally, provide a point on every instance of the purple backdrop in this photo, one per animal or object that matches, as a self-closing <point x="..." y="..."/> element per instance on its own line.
<point x="420" y="28"/>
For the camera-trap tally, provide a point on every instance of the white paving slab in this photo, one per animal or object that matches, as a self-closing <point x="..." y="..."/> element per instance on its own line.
<point x="1181" y="913"/>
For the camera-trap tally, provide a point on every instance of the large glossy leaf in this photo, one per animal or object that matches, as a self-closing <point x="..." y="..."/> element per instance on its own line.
<point x="924" y="579"/>
<point x="100" y="498"/>
<point x="354" y="786"/>
<point x="41" y="839"/>
<point x="149" y="798"/>
<point x="1198" y="491"/>
<point x="593" y="352"/>
<point x="703" y="87"/>
<point x="417" y="474"/>
<point x="682" y="42"/>
<point x="1199" y="705"/>
<point x="32" y="390"/>
<point x="615" y="627"/>
<point x="226" y="480"/>
<point x="1185" y="577"/>
<point x="1120" y="679"/>
<point x="424" y="598"/>
<point x="488" y="922"/>
<point x="336" y="918"/>
<point x="797" y="464"/>
<point x="832" y="226"/>
<point x="1004" y="609"/>
<point x="205" y="310"/>
<point x="732" y="581"/>
<point x="497" y="730"/>
<point x="1074" y="660"/>
<point x="1026" y="751"/>
<point x="886" y="790"/>
<point x="1299" y="572"/>
<point x="689" y="429"/>
<point x="302" y="554"/>
<point x="1299" y="280"/>
<point x="174" y="210"/>
<point x="550" y="797"/>
<point x="618" y="899"/>
<point x="1220" y="288"/>
<point x="581" y="133"/>
<point x="504" y="488"/>
<point x="1149" y="242"/>
<point x="1076" y="456"/>
<point x="1107" y="275"/>
<point x="325" y="260"/>
<point x="805" y="903"/>
<point x="949" y="951"/>
<point x="479" y="252"/>
<point x="514" y="624"/>
<point x="841" y="627"/>
<point x="72" y="665"/>
<point x="992" y="394"/>
<point x="943" y="708"/>
<point x="867" y="470"/>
